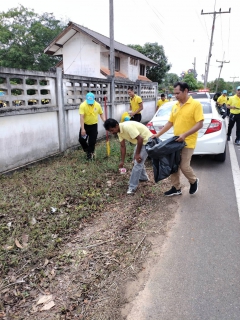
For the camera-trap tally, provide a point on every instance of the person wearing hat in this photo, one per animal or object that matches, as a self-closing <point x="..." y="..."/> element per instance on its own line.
<point x="170" y="97"/>
<point x="222" y="100"/>
<point x="89" y="111"/>
<point x="234" y="106"/>
<point x="136" y="105"/>
<point x="161" y="101"/>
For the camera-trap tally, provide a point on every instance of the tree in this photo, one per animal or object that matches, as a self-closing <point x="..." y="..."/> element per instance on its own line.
<point x="155" y="52"/>
<point x="191" y="81"/>
<point x="24" y="35"/>
<point x="222" y="85"/>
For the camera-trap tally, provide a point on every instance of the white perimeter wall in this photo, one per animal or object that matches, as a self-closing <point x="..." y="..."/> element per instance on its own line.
<point x="26" y="138"/>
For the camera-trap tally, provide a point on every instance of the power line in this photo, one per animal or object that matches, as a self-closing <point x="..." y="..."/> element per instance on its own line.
<point x="211" y="41"/>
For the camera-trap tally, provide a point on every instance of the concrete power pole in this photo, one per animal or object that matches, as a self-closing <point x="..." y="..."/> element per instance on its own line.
<point x="194" y="66"/>
<point x="233" y="80"/>
<point x="211" y="41"/>
<point x="221" y="65"/>
<point x="112" y="57"/>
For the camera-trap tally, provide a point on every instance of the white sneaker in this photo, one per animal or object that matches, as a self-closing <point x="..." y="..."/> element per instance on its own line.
<point x="130" y="191"/>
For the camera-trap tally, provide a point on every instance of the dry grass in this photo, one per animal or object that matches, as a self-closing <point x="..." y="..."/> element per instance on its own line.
<point x="69" y="229"/>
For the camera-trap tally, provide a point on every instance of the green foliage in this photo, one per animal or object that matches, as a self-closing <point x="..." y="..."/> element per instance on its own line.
<point x="168" y="82"/>
<point x="191" y="81"/>
<point x="220" y="85"/>
<point x="155" y="52"/>
<point x="24" y="35"/>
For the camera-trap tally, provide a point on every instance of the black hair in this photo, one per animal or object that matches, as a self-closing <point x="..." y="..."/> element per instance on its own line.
<point x="182" y="85"/>
<point x="110" y="123"/>
<point x="130" y="88"/>
<point x="162" y="95"/>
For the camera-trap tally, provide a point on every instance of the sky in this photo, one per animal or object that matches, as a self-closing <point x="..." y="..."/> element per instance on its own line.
<point x="176" y="25"/>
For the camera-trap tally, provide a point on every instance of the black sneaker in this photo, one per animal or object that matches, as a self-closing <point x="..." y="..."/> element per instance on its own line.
<point x="228" y="138"/>
<point x="173" y="192"/>
<point x="194" y="187"/>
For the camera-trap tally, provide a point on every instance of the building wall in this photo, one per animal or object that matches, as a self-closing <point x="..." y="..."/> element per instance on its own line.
<point x="82" y="57"/>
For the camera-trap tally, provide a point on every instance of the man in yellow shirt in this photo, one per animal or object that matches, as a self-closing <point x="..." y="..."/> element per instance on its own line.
<point x="222" y="100"/>
<point x="161" y="101"/>
<point x="137" y="134"/>
<point x="89" y="111"/>
<point x="186" y="118"/>
<point x="234" y="106"/>
<point x="136" y="105"/>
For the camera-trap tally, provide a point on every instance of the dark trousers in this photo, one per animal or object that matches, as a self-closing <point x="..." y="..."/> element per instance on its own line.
<point x="88" y="144"/>
<point x="137" y="117"/>
<point x="232" y="119"/>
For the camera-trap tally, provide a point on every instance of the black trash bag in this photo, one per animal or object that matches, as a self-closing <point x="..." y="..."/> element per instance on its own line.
<point x="165" y="155"/>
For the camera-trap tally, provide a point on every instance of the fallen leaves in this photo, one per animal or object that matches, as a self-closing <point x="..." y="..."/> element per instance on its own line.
<point x="46" y="301"/>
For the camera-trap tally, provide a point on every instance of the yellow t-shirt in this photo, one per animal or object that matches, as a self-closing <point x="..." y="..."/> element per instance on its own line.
<point x="124" y="115"/>
<point x="129" y="130"/>
<point x="222" y="99"/>
<point x="134" y="102"/>
<point x="234" y="101"/>
<point x="185" y="117"/>
<point x="161" y="102"/>
<point x="90" y="112"/>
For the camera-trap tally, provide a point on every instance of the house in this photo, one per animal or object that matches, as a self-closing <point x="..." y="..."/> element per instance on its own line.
<point x="87" y="53"/>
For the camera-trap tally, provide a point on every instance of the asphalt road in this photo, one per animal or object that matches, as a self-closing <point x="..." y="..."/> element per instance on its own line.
<point x="197" y="276"/>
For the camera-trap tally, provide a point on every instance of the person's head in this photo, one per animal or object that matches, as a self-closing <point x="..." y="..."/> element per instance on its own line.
<point x="181" y="90"/>
<point x="111" y="125"/>
<point x="90" y="98"/>
<point x="162" y="96"/>
<point x="131" y="92"/>
<point x="170" y="96"/>
<point x="238" y="91"/>
<point x="224" y="93"/>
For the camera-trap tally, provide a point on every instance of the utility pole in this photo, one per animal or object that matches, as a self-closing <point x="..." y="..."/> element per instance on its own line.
<point x="211" y="41"/>
<point x="194" y="66"/>
<point x="221" y="65"/>
<point x="112" y="58"/>
<point x="233" y="80"/>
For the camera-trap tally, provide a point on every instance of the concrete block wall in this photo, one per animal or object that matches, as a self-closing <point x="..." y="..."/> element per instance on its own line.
<point x="29" y="133"/>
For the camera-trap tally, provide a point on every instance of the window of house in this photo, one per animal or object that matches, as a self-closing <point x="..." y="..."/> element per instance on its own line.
<point x="117" y="63"/>
<point x="133" y="61"/>
<point x="142" y="70"/>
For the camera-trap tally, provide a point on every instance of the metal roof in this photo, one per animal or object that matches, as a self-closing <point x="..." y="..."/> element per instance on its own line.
<point x="56" y="45"/>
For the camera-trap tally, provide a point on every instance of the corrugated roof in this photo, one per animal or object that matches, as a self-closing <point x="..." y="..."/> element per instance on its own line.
<point x="104" y="40"/>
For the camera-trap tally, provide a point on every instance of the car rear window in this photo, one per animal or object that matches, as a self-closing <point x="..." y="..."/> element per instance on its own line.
<point x="198" y="95"/>
<point x="207" y="108"/>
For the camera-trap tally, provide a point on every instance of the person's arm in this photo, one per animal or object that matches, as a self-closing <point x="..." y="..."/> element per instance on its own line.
<point x="139" y="109"/>
<point x="194" y="129"/>
<point x="167" y="126"/>
<point x="102" y="117"/>
<point x="137" y="156"/>
<point x="83" y="132"/>
<point x="123" y="153"/>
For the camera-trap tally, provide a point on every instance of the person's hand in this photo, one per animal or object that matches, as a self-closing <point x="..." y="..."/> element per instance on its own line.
<point x="138" y="157"/>
<point x="121" y="164"/>
<point x="154" y="136"/>
<point x="83" y="133"/>
<point x="181" y="138"/>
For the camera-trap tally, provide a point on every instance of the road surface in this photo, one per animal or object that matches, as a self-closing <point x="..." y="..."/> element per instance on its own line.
<point x="197" y="276"/>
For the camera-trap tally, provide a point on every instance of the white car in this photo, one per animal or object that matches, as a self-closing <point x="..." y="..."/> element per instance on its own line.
<point x="212" y="136"/>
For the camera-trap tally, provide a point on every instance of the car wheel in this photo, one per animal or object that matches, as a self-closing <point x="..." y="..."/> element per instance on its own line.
<point x="221" y="157"/>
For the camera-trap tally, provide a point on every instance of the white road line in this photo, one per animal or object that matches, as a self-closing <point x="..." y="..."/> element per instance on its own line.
<point x="235" y="172"/>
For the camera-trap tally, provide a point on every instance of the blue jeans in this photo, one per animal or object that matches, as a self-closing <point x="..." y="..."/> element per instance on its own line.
<point x="138" y="170"/>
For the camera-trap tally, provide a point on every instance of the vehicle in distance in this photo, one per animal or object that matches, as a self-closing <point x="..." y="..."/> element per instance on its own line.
<point x="211" y="137"/>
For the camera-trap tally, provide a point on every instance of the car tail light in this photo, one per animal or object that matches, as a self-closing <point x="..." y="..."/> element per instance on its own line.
<point x="151" y="127"/>
<point x="214" y="126"/>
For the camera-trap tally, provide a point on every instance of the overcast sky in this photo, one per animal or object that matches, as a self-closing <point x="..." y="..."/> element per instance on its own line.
<point x="177" y="25"/>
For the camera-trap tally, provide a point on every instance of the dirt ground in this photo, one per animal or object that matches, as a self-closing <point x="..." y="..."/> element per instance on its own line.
<point x="101" y="268"/>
